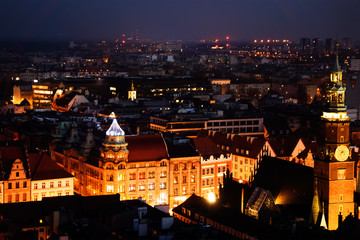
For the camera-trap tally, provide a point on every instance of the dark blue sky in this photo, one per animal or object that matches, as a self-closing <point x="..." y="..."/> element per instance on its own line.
<point x="174" y="19"/>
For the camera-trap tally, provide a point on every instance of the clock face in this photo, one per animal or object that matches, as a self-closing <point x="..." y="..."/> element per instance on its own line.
<point x="341" y="153"/>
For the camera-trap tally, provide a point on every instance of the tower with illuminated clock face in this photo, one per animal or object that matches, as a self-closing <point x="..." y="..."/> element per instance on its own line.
<point x="334" y="168"/>
<point x="114" y="148"/>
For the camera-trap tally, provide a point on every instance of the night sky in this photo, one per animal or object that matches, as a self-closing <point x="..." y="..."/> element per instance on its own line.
<point x="65" y="20"/>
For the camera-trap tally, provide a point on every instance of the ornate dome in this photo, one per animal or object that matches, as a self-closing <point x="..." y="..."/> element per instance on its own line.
<point x="115" y="129"/>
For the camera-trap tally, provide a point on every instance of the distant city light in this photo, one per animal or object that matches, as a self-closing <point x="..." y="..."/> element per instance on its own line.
<point x="35" y="80"/>
<point x="227" y="37"/>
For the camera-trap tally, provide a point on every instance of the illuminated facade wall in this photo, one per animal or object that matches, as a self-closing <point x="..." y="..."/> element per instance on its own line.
<point x="51" y="188"/>
<point x="212" y="170"/>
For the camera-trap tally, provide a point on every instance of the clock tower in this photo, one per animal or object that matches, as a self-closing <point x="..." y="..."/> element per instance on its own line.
<point x="334" y="168"/>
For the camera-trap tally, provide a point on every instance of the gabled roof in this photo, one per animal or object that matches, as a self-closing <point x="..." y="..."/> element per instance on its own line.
<point x="146" y="148"/>
<point x="9" y="152"/>
<point x="43" y="168"/>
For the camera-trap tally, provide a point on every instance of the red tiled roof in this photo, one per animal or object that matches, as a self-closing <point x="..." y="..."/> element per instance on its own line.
<point x="146" y="148"/>
<point x="206" y="147"/>
<point x="43" y="167"/>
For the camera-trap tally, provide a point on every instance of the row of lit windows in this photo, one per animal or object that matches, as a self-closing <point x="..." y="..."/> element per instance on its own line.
<point x="183" y="166"/>
<point x="184" y="179"/>
<point x="210" y="170"/>
<point x="51" y="185"/>
<point x="184" y="191"/>
<point x="132" y="187"/>
<point x="247" y="161"/>
<point x="232" y="123"/>
<point x="51" y="194"/>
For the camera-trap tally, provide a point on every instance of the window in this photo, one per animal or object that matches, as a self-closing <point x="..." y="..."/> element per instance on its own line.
<point x="109" y="188"/>
<point x="121" y="166"/>
<point x="151" y="186"/>
<point x="246" y="161"/>
<point x="17" y="185"/>
<point x="141" y="175"/>
<point x="17" y="198"/>
<point x="163" y="164"/>
<point x="59" y="194"/>
<point x="51" y="184"/>
<point x="341" y="208"/>
<point x="35" y="197"/>
<point x="341" y="196"/>
<point x="24" y="184"/>
<point x="24" y="197"/>
<point x="341" y="138"/>
<point x="67" y="193"/>
<point x="67" y="183"/>
<point x="341" y="173"/>
<point x="43" y="185"/>
<point x="211" y="181"/>
<point x="212" y="170"/>
<point x="203" y="172"/>
<point x="9" y="198"/>
<point x="163" y="174"/>
<point x="176" y="166"/>
<point x="35" y="185"/>
<point x="193" y="165"/>
<point x="162" y="185"/>
<point x="192" y="179"/>
<point x="184" y="179"/>
<point x="17" y="174"/>
<point x="9" y="186"/>
<point x="59" y="183"/>
<point x="121" y="177"/>
<point x="132" y="176"/>
<point x="176" y="180"/>
<point x="122" y="188"/>
<point x="152" y="174"/>
<point x="184" y="166"/>
<point x="142" y="187"/>
<point x="132" y="187"/>
<point x="184" y="191"/>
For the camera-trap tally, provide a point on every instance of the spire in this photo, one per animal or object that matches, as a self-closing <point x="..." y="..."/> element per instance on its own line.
<point x="323" y="221"/>
<point x="115" y="129"/>
<point x="132" y="86"/>
<point x="315" y="207"/>
<point x="336" y="67"/>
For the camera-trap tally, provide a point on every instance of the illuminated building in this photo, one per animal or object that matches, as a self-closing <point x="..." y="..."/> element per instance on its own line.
<point x="30" y="176"/>
<point x="214" y="164"/>
<point x="132" y="93"/>
<point x="42" y="94"/>
<point x="20" y="93"/>
<point x="334" y="169"/>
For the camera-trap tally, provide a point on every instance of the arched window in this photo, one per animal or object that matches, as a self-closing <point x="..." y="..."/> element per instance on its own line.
<point x="121" y="166"/>
<point x="163" y="164"/>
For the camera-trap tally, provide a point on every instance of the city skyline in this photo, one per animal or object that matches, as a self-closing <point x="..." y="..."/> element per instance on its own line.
<point x="172" y="20"/>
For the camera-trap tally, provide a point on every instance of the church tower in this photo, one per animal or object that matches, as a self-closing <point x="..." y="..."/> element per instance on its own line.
<point x="334" y="168"/>
<point x="132" y="92"/>
<point x="114" y="148"/>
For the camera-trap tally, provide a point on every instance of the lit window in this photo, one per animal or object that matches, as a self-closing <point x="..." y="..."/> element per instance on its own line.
<point x="142" y="187"/>
<point x="35" y="185"/>
<point x="67" y="183"/>
<point x="151" y="186"/>
<point x="162" y="185"/>
<point x="341" y="173"/>
<point x="132" y="187"/>
<point x="59" y="183"/>
<point x="109" y="188"/>
<point x="43" y="185"/>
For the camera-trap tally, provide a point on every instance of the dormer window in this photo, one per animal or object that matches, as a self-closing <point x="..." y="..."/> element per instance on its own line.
<point x="17" y="174"/>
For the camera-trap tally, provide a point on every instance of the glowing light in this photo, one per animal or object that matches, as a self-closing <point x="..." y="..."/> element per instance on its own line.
<point x="227" y="45"/>
<point x="211" y="197"/>
<point x="35" y="80"/>
<point x="123" y="41"/>
<point x="227" y="37"/>
<point x="216" y="40"/>
<point x="112" y="115"/>
<point x="255" y="41"/>
<point x="17" y="78"/>
<point x="115" y="129"/>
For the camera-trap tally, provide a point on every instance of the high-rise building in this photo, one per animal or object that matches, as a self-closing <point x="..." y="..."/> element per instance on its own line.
<point x="334" y="169"/>
<point x="305" y="45"/>
<point x="317" y="47"/>
<point x="329" y="46"/>
<point x="347" y="44"/>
